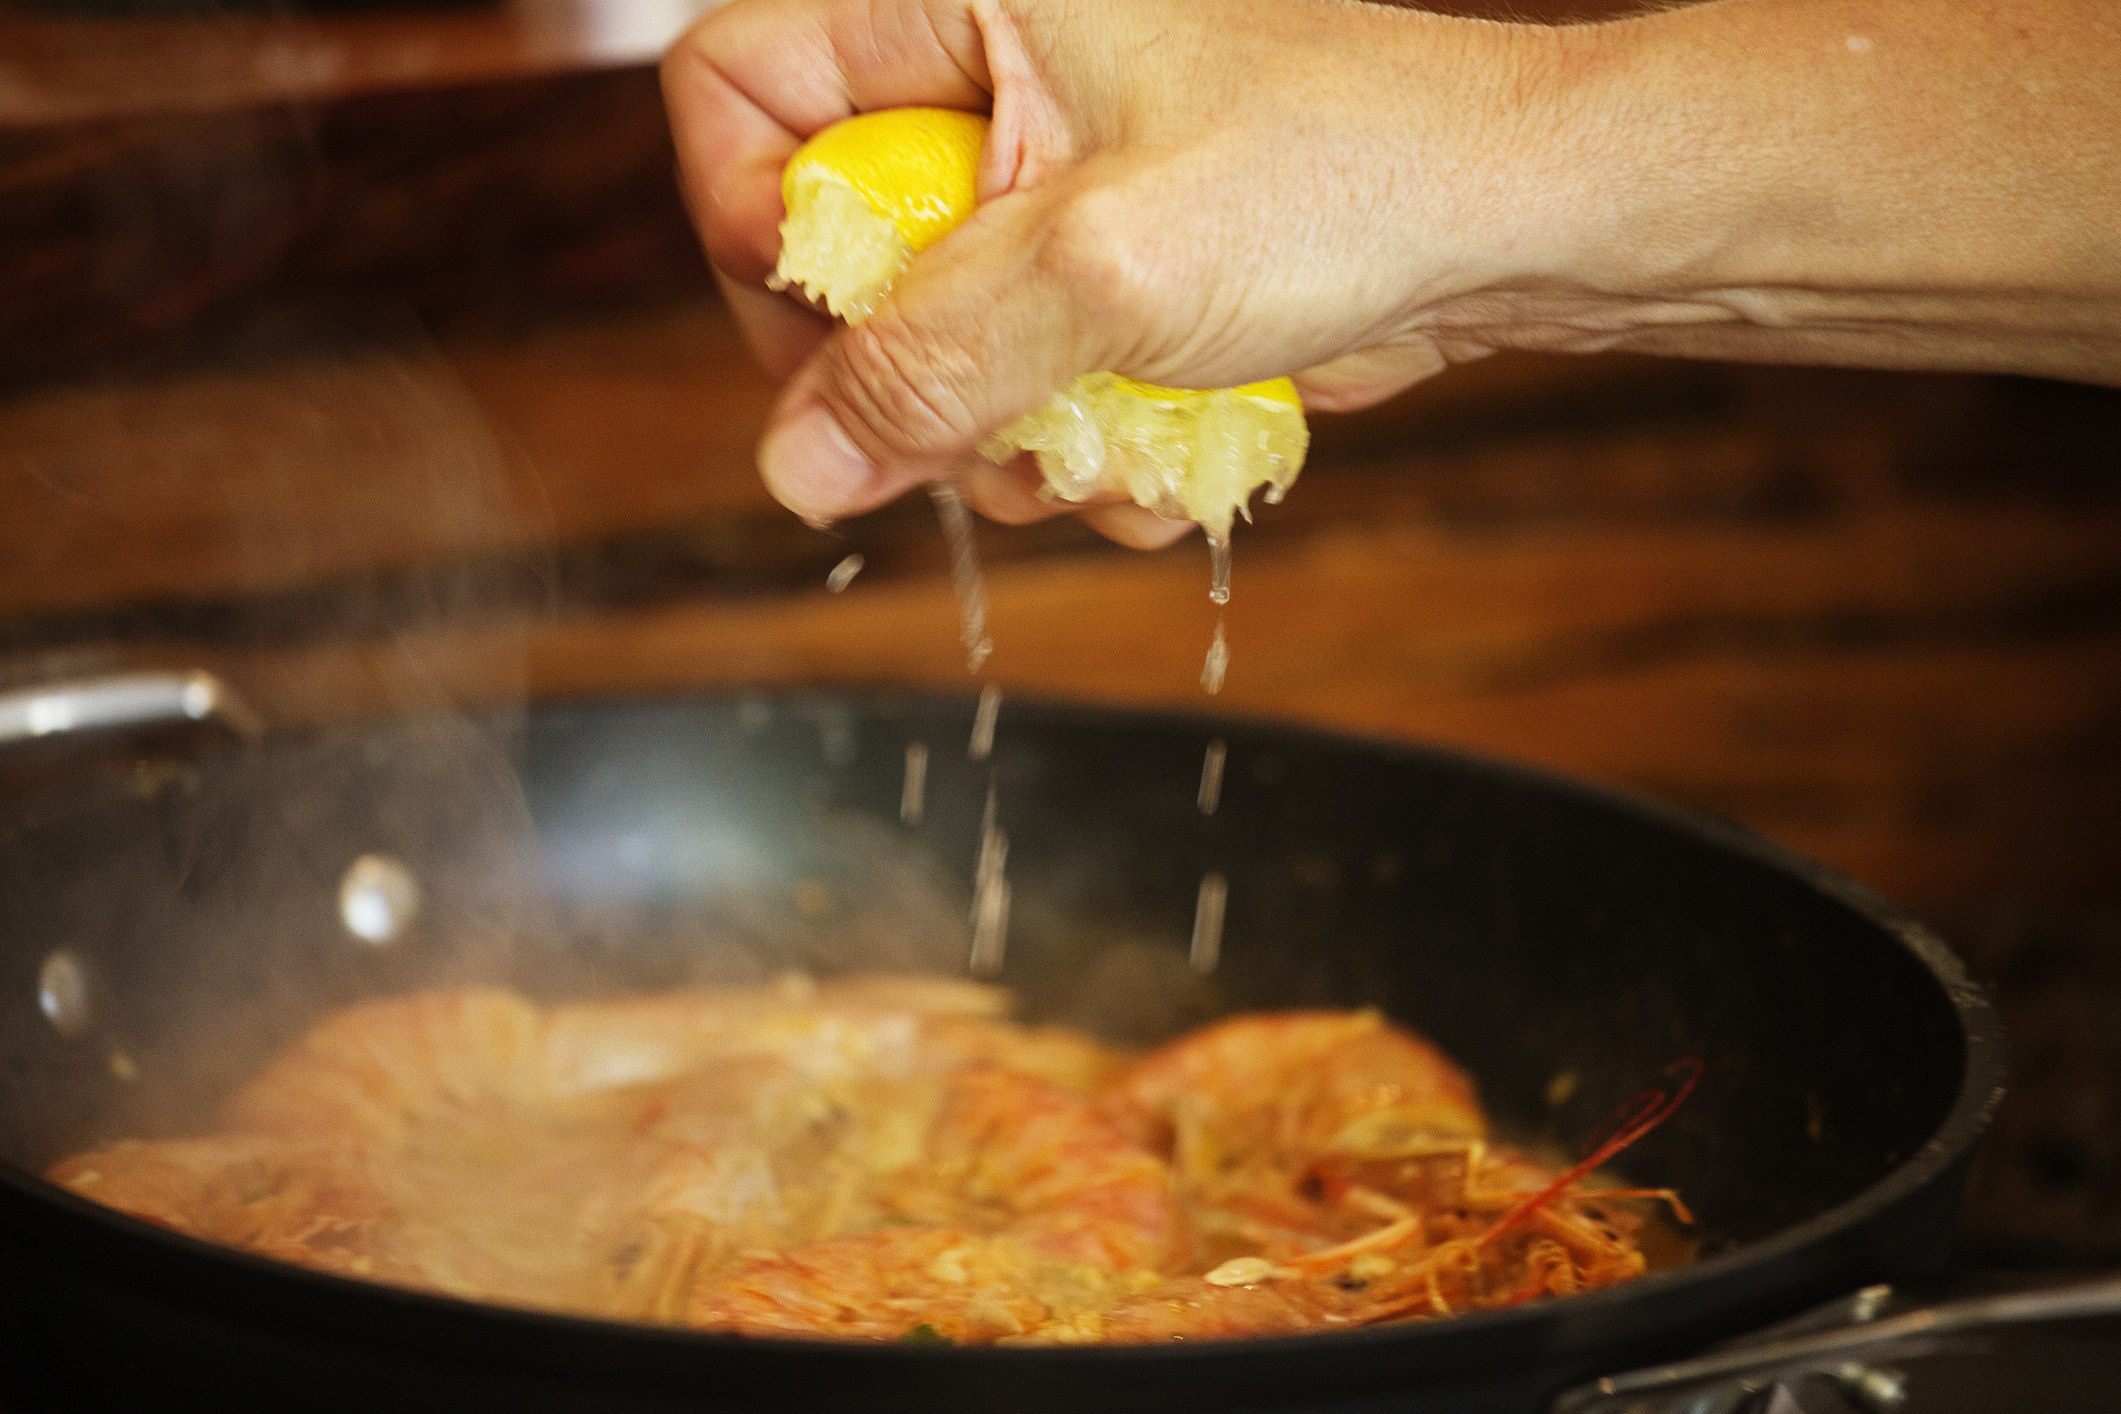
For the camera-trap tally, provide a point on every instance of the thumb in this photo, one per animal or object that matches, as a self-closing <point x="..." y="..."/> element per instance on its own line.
<point x="979" y="329"/>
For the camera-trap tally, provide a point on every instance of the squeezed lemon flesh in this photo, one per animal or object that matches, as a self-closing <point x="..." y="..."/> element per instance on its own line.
<point x="1184" y="453"/>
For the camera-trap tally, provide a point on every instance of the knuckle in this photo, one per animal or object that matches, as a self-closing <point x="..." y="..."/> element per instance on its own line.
<point x="1093" y="252"/>
<point x="909" y="391"/>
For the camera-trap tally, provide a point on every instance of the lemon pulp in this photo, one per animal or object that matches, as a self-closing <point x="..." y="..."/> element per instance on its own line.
<point x="1183" y="453"/>
<point x="867" y="194"/>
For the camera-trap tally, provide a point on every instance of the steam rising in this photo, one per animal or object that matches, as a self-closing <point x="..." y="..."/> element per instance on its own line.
<point x="355" y="546"/>
<point x="391" y="619"/>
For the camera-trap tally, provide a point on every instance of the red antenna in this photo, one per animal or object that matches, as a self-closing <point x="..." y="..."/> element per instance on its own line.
<point x="1630" y="1122"/>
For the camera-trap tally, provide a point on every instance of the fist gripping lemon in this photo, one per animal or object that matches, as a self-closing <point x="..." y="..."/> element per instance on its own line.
<point x="870" y="192"/>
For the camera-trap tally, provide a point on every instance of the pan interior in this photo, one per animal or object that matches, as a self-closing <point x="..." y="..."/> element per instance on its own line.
<point x="1562" y="945"/>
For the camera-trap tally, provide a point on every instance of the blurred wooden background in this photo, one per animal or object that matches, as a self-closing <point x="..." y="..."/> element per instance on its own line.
<point x="368" y="360"/>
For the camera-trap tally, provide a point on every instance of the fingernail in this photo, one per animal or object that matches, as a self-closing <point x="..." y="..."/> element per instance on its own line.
<point x="812" y="469"/>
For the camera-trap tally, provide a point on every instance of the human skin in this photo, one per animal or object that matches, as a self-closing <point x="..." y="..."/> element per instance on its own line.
<point x="1201" y="195"/>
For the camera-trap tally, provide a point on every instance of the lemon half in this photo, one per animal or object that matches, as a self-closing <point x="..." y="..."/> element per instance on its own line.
<point x="868" y="193"/>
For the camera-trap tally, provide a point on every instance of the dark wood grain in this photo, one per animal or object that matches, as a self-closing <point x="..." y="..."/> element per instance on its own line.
<point x="88" y="62"/>
<point x="1876" y="615"/>
<point x="157" y="238"/>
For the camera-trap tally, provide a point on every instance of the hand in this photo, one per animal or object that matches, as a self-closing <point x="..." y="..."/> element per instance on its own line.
<point x="1200" y="195"/>
<point x="1194" y="195"/>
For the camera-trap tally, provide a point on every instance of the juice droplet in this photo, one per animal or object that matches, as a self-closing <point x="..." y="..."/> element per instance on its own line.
<point x="1218" y="570"/>
<point x="965" y="577"/>
<point x="990" y="707"/>
<point x="913" y="794"/>
<point x="843" y="574"/>
<point x="1211" y="777"/>
<point x="1211" y="673"/>
<point x="990" y="929"/>
<point x="993" y="854"/>
<point x="990" y="893"/>
<point x="1207" y="948"/>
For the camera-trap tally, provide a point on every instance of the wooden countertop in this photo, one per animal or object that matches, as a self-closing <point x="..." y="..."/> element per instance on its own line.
<point x="60" y="65"/>
<point x="369" y="361"/>
<point x="63" y="67"/>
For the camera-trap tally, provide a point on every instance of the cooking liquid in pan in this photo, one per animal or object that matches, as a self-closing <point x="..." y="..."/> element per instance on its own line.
<point x="883" y="1158"/>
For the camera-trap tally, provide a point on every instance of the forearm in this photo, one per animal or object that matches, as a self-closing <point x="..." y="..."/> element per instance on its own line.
<point x="1903" y="183"/>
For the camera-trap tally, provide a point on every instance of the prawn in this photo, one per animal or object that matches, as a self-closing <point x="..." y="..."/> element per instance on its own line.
<point x="369" y="1074"/>
<point x="470" y="1141"/>
<point x="1284" y="1082"/>
<point x="1026" y="1207"/>
<point x="1250" y="1109"/>
<point x="860" y="1023"/>
<point x="374" y="1070"/>
<point x="303" y="1202"/>
<point x="1511" y="1231"/>
<point x="882" y="1157"/>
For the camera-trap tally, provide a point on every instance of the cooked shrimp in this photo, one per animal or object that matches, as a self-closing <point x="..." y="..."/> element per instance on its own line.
<point x="808" y="1123"/>
<point x="1299" y="1082"/>
<point x="310" y="1203"/>
<point x="881" y="1158"/>
<point x="1029" y="1208"/>
<point x="367" y="1071"/>
<point x="370" y="1072"/>
<point x="1410" y="1269"/>
<point x="1457" y="1225"/>
<point x="893" y="1284"/>
<point x="1010" y="1154"/>
<point x="1060" y="1057"/>
<point x="1250" y="1108"/>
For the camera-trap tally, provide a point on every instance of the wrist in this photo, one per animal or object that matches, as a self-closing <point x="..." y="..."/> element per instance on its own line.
<point x="1845" y="181"/>
<point x="1630" y="193"/>
<point x="1516" y="178"/>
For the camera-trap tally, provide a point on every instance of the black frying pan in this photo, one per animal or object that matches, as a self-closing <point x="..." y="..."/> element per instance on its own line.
<point x="1535" y="928"/>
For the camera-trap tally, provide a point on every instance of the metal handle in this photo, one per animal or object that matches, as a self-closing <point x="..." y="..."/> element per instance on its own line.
<point x="1852" y="1355"/>
<point x="123" y="701"/>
